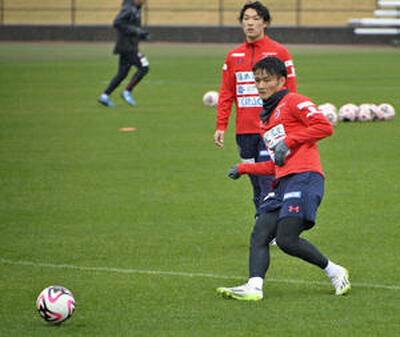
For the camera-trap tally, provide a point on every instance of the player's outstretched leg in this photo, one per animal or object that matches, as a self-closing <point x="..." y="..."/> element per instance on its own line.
<point x="127" y="97"/>
<point x="339" y="277"/>
<point x="244" y="292"/>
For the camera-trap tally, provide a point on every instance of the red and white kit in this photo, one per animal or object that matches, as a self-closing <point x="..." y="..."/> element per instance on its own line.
<point x="300" y="124"/>
<point x="238" y="83"/>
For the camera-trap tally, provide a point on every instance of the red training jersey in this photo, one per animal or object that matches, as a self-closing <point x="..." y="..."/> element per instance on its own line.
<point x="300" y="124"/>
<point x="238" y="83"/>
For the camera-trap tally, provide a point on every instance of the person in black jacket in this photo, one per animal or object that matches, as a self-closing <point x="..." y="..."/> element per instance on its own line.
<point x="129" y="31"/>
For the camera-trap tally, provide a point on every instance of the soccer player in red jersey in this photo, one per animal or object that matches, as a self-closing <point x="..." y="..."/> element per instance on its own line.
<point x="238" y="87"/>
<point x="292" y="125"/>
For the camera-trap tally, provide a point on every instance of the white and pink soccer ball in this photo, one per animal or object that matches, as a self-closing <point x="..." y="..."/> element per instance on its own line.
<point x="210" y="98"/>
<point x="330" y="112"/>
<point x="327" y="106"/>
<point x="366" y="112"/>
<point x="348" y="112"/>
<point x="385" y="112"/>
<point x="55" y="304"/>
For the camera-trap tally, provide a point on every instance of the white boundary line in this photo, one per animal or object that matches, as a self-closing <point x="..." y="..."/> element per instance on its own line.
<point x="184" y="274"/>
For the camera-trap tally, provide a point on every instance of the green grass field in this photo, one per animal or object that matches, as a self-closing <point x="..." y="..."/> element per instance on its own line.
<point x="143" y="226"/>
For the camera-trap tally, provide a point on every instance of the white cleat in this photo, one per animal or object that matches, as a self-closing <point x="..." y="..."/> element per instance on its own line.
<point x="244" y="292"/>
<point x="341" y="282"/>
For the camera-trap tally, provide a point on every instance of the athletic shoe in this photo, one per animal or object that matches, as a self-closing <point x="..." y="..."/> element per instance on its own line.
<point x="127" y="97"/>
<point x="105" y="100"/>
<point x="341" y="281"/>
<point x="242" y="293"/>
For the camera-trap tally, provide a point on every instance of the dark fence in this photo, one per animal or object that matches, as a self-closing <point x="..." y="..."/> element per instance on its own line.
<point x="192" y="34"/>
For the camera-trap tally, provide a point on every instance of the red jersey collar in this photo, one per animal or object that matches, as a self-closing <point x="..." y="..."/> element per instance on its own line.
<point x="258" y="42"/>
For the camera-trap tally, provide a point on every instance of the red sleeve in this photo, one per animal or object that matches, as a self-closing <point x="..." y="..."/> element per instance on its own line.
<point x="257" y="169"/>
<point x="317" y="125"/>
<point x="226" y="96"/>
<point x="291" y="81"/>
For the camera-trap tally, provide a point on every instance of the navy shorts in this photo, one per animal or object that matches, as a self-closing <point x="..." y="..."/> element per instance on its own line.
<point x="298" y="195"/>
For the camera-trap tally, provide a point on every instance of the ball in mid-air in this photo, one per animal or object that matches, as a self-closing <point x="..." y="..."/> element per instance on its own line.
<point x="210" y="98"/>
<point x="55" y="304"/>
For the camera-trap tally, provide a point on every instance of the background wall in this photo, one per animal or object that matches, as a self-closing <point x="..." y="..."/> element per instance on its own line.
<point x="183" y="12"/>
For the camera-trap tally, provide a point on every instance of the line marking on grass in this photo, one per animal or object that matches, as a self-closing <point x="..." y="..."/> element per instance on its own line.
<point x="185" y="274"/>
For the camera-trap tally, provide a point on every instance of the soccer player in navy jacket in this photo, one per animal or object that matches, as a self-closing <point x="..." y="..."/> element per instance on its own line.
<point x="128" y="25"/>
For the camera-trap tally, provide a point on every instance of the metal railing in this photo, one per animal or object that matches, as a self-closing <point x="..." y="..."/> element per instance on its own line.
<point x="297" y="10"/>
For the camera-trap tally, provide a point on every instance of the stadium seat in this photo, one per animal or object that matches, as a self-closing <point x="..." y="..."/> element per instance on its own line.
<point x="386" y="22"/>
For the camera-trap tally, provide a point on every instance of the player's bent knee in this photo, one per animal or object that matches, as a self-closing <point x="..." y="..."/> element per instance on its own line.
<point x="264" y="230"/>
<point x="145" y="70"/>
<point x="287" y="237"/>
<point x="288" y="245"/>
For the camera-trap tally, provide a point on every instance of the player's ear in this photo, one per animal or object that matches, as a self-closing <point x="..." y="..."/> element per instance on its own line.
<point x="282" y="81"/>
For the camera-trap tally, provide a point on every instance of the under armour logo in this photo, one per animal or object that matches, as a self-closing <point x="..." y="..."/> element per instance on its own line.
<point x="296" y="209"/>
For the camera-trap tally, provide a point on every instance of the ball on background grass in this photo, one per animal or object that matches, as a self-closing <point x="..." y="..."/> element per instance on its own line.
<point x="327" y="106"/>
<point x="365" y="113"/>
<point x="210" y="98"/>
<point x="374" y="111"/>
<point x="330" y="112"/>
<point x="348" y="112"/>
<point x="386" y="111"/>
<point x="55" y="304"/>
<point x="331" y="115"/>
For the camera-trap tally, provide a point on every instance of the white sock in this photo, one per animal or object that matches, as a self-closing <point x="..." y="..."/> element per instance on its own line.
<point x="256" y="282"/>
<point x="104" y="96"/>
<point x="331" y="269"/>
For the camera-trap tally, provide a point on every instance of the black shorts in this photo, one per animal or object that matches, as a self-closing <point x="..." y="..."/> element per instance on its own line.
<point x="137" y="59"/>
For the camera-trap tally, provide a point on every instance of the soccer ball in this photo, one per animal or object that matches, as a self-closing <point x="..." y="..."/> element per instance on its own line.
<point x="385" y="111"/>
<point x="331" y="115"/>
<point x="55" y="304"/>
<point x="374" y="111"/>
<point x="327" y="106"/>
<point x="210" y="98"/>
<point x="348" y="113"/>
<point x="366" y="113"/>
<point x="330" y="112"/>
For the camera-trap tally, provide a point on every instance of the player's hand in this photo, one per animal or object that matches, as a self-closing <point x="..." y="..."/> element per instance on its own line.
<point x="234" y="172"/>
<point x="144" y="35"/>
<point x="281" y="151"/>
<point x="219" y="138"/>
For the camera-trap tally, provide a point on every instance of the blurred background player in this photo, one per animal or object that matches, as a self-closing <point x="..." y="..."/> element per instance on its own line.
<point x="128" y="25"/>
<point x="293" y="125"/>
<point x="238" y="86"/>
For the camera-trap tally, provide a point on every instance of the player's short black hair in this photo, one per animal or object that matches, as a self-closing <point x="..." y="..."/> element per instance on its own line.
<point x="259" y="8"/>
<point x="272" y="65"/>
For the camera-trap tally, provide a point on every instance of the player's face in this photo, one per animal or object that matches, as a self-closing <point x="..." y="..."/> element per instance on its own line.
<point x="253" y="25"/>
<point x="268" y="84"/>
